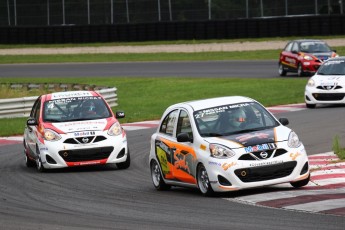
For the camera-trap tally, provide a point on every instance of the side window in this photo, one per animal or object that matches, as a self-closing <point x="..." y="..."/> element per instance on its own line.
<point x="295" y="47"/>
<point x="168" y="123"/>
<point x="37" y="111"/>
<point x="36" y="108"/>
<point x="288" y="47"/>
<point x="183" y="124"/>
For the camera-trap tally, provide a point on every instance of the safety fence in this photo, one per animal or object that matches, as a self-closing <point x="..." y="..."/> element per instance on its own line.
<point x="21" y="107"/>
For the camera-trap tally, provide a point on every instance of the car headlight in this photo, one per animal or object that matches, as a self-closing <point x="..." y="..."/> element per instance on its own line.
<point x="115" y="129"/>
<point x="51" y="135"/>
<point x="311" y="83"/>
<point x="293" y="141"/>
<point x="220" y="151"/>
<point x="307" y="57"/>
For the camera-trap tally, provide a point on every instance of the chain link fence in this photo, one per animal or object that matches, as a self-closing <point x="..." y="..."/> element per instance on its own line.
<point x="105" y="12"/>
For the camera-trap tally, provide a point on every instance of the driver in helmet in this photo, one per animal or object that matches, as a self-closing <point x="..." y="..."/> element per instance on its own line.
<point x="237" y="118"/>
<point x="88" y="108"/>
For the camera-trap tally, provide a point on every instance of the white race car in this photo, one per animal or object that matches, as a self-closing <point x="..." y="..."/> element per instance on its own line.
<point x="225" y="144"/>
<point x="74" y="128"/>
<point x="327" y="86"/>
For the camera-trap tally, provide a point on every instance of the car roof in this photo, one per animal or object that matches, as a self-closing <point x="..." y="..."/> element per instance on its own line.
<point x="340" y="58"/>
<point x="70" y="94"/>
<point x="214" y="102"/>
<point x="308" y="40"/>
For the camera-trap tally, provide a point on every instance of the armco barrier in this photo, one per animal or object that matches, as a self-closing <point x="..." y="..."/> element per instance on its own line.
<point x="21" y="107"/>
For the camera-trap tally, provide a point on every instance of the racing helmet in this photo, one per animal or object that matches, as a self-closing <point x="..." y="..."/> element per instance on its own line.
<point x="88" y="107"/>
<point x="237" y="117"/>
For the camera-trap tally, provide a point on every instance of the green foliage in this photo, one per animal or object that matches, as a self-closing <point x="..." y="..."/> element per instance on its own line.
<point x="338" y="149"/>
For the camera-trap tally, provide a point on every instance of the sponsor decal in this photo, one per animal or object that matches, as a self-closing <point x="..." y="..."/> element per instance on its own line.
<point x="86" y="133"/>
<point x="70" y="94"/>
<point x="226" y="166"/>
<point x="334" y="62"/>
<point x="290" y="60"/>
<point x="254" y="138"/>
<point x="261" y="147"/>
<point x="216" y="110"/>
<point x="162" y="157"/>
<point x="262" y="163"/>
<point x="214" y="163"/>
<point x="202" y="147"/>
<point x="294" y="155"/>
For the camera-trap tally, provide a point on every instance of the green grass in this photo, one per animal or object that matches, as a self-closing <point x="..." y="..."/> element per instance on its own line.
<point x="338" y="149"/>
<point x="147" y="98"/>
<point x="172" y="42"/>
<point x="132" y="57"/>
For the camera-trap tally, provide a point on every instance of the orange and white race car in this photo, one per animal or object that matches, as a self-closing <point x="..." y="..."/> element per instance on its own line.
<point x="225" y="144"/>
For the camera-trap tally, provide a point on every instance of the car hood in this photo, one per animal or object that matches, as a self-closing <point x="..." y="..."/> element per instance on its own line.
<point x="76" y="126"/>
<point x="267" y="136"/>
<point x="329" y="80"/>
<point x="322" y="56"/>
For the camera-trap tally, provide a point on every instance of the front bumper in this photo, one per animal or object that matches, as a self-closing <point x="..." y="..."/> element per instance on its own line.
<point x="227" y="175"/>
<point x="58" y="154"/>
<point x="310" y="66"/>
<point x="312" y="95"/>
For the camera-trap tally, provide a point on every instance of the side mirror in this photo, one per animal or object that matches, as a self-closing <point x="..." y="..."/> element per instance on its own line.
<point x="120" y="114"/>
<point x="184" y="137"/>
<point x="31" y="122"/>
<point x="284" y="121"/>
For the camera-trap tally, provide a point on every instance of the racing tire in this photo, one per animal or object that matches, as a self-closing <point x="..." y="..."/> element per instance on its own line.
<point x="300" y="72"/>
<point x="28" y="162"/>
<point x="300" y="183"/>
<point x="125" y="164"/>
<point x="157" y="178"/>
<point x="310" y="106"/>
<point x="39" y="164"/>
<point x="203" y="181"/>
<point x="281" y="70"/>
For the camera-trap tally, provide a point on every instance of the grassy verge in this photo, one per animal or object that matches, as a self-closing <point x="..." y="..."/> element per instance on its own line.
<point x="147" y="98"/>
<point x="173" y="42"/>
<point x="338" y="149"/>
<point x="128" y="57"/>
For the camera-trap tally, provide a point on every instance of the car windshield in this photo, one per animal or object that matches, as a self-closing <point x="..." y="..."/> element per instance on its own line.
<point x="231" y="119"/>
<point x="335" y="67"/>
<point x="75" y="109"/>
<point x="314" y="47"/>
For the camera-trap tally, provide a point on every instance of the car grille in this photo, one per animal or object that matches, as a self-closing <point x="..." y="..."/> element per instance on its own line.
<point x="86" y="154"/>
<point x="329" y="88"/>
<point x="84" y="140"/>
<point x="329" y="96"/>
<point x="267" y="172"/>
<point x="260" y="155"/>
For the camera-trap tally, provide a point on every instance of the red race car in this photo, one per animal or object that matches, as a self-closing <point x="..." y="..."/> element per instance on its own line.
<point x="304" y="56"/>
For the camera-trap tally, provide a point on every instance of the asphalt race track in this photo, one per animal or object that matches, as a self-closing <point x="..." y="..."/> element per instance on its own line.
<point x="104" y="197"/>
<point x="260" y="69"/>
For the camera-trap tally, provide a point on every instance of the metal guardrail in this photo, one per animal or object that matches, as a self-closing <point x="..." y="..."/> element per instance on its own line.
<point x="21" y="107"/>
